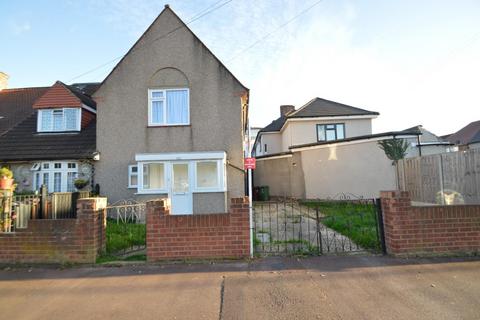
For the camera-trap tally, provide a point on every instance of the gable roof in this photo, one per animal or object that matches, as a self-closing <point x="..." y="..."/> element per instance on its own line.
<point x="23" y="142"/>
<point x="167" y="33"/>
<point x="468" y="134"/>
<point x="62" y="95"/>
<point x="16" y="105"/>
<point x="319" y="107"/>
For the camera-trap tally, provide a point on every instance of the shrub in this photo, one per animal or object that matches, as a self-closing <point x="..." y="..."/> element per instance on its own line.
<point x="6" y="173"/>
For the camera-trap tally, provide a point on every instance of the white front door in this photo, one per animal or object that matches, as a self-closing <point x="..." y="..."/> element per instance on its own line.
<point x="181" y="189"/>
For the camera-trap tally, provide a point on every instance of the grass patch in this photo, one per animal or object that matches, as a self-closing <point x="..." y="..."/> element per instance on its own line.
<point x="121" y="236"/>
<point x="356" y="221"/>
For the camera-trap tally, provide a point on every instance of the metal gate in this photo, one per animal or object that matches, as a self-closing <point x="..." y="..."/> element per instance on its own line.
<point x="344" y="224"/>
<point x="126" y="230"/>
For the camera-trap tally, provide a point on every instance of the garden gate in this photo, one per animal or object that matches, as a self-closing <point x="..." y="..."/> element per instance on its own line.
<point x="340" y="225"/>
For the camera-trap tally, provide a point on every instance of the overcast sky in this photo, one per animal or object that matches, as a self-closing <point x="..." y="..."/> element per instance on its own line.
<point x="414" y="61"/>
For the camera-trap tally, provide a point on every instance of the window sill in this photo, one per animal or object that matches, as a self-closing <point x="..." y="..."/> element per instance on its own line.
<point x="57" y="132"/>
<point x="167" y="125"/>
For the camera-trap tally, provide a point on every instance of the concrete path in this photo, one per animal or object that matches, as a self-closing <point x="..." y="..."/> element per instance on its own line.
<point x="347" y="287"/>
<point x="279" y="224"/>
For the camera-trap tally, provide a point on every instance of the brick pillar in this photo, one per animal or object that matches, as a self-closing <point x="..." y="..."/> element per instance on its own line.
<point x="154" y="212"/>
<point x="91" y="226"/>
<point x="396" y="206"/>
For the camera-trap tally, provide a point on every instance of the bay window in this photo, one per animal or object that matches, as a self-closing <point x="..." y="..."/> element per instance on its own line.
<point x="164" y="173"/>
<point x="168" y="107"/>
<point x="58" y="120"/>
<point x="58" y="176"/>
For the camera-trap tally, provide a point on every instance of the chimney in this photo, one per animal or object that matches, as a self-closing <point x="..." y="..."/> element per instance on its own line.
<point x="3" y="81"/>
<point x="286" y="109"/>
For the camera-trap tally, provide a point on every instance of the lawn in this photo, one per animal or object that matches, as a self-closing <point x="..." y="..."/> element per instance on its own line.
<point x="121" y="236"/>
<point x="356" y="221"/>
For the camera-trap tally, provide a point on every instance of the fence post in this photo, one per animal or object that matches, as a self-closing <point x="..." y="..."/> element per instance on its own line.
<point x="380" y="228"/>
<point x="44" y="196"/>
<point x="319" y="235"/>
<point x="440" y="169"/>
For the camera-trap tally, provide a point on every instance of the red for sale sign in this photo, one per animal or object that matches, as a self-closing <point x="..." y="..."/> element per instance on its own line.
<point x="249" y="163"/>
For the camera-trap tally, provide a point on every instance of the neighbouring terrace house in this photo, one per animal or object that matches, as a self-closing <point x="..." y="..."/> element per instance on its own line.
<point x="324" y="149"/>
<point x="47" y="135"/>
<point x="171" y="123"/>
<point x="427" y="143"/>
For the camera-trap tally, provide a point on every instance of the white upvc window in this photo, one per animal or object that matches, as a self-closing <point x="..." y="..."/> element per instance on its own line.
<point x="208" y="172"/>
<point x="152" y="177"/>
<point x="132" y="176"/>
<point x="168" y="107"/>
<point x="210" y="176"/>
<point x="59" y="120"/>
<point x="58" y="176"/>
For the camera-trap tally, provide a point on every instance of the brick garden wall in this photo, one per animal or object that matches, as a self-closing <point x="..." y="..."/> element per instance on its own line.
<point x="225" y="235"/>
<point x="429" y="230"/>
<point x="59" y="241"/>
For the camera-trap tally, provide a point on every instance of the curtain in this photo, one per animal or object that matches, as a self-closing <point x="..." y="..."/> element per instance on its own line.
<point x="58" y="120"/>
<point x="157" y="112"/>
<point x="177" y="107"/>
<point x="71" y="118"/>
<point x="153" y="176"/>
<point x="47" y="120"/>
<point x="207" y="174"/>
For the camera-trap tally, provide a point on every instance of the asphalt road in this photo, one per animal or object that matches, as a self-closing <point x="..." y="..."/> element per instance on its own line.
<point x="350" y="287"/>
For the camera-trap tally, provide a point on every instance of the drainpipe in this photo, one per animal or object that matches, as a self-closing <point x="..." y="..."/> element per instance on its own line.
<point x="250" y="194"/>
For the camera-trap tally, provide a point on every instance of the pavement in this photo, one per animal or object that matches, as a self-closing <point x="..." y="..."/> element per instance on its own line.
<point x="326" y="287"/>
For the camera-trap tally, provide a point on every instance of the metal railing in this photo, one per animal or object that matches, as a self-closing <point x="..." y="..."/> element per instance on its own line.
<point x="327" y="226"/>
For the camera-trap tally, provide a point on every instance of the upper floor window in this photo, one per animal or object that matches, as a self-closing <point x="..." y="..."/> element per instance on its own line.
<point x="330" y="132"/>
<point x="168" y="107"/>
<point x="57" y="120"/>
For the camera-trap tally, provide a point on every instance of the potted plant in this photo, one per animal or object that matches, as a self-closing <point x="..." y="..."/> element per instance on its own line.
<point x="6" y="179"/>
<point x="80" y="183"/>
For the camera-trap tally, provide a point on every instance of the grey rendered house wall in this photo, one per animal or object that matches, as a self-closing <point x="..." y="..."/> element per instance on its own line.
<point x="177" y="60"/>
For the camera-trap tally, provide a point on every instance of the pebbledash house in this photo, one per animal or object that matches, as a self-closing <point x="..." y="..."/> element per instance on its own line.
<point x="168" y="121"/>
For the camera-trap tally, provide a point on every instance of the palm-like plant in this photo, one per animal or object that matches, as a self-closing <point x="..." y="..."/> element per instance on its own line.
<point x="395" y="150"/>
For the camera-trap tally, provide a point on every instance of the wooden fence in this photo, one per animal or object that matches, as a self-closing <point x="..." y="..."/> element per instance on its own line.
<point x="448" y="178"/>
<point x="57" y="205"/>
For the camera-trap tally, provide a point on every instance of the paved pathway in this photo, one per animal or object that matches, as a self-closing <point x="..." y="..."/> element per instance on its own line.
<point x="292" y="227"/>
<point x="332" y="287"/>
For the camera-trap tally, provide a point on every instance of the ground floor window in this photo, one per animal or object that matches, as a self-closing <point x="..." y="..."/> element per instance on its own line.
<point x="58" y="176"/>
<point x="172" y="173"/>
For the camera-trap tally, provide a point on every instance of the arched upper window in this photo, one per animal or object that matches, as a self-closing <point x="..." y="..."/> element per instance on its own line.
<point x="168" y="98"/>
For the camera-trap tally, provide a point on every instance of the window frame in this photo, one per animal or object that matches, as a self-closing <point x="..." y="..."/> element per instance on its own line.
<point x="48" y="167"/>
<point x="140" y="188"/>
<point x="130" y="174"/>
<point x="325" y="130"/>
<point x="165" y="107"/>
<point x="192" y="167"/>
<point x="51" y="129"/>
<point x="221" y="178"/>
